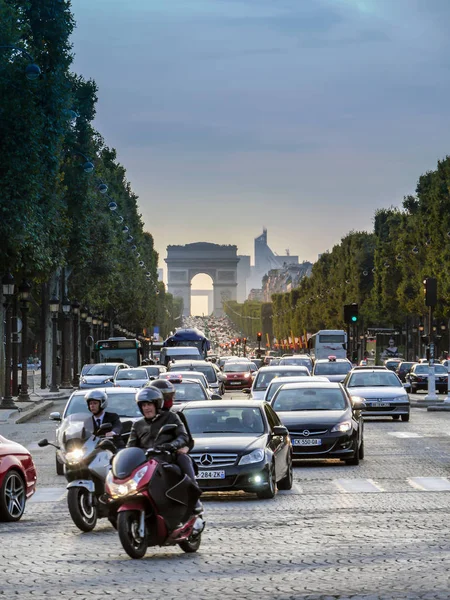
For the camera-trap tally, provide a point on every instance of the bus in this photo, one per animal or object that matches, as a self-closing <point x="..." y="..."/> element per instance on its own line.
<point x="118" y="349"/>
<point x="328" y="342"/>
<point x="189" y="337"/>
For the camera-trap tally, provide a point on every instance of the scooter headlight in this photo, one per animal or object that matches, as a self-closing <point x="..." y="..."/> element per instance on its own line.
<point x="74" y="456"/>
<point x="126" y="488"/>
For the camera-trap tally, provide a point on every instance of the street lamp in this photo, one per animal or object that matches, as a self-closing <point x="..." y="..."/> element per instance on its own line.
<point x="8" y="292"/>
<point x="24" y="291"/>
<point x="54" y="309"/>
<point x="32" y="70"/>
<point x="76" y="322"/>
<point x="65" y="362"/>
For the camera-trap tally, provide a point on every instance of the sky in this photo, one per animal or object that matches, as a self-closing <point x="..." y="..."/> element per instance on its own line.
<point x="303" y="116"/>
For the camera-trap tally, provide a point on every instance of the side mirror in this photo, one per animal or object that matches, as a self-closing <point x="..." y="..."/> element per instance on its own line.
<point x="407" y="385"/>
<point x="166" y="429"/>
<point x="246" y="391"/>
<point x="280" y="430"/>
<point x="105" y="427"/>
<point x="55" y="416"/>
<point x="358" y="403"/>
<point x="216" y="397"/>
<point x="43" y="443"/>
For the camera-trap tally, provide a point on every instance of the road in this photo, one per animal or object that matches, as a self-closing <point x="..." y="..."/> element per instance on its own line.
<point x="377" y="530"/>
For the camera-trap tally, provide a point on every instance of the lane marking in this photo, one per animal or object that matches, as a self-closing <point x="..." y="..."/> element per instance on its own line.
<point x="430" y="484"/>
<point x="48" y="494"/>
<point x="405" y="434"/>
<point x="357" y="486"/>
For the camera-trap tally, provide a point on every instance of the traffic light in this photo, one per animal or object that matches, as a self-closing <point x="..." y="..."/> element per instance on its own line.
<point x="430" y="290"/>
<point x="244" y="340"/>
<point x="351" y="315"/>
<point x="259" y="336"/>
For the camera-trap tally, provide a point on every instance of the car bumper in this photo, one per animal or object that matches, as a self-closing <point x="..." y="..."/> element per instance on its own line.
<point x="237" y="385"/>
<point x="333" y="446"/>
<point x="237" y="478"/>
<point x="423" y="385"/>
<point x="386" y="411"/>
<point x="90" y="386"/>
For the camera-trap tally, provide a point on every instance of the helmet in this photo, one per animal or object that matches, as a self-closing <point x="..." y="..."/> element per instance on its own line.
<point x="146" y="361"/>
<point x="167" y="390"/>
<point x="150" y="394"/>
<point x="99" y="396"/>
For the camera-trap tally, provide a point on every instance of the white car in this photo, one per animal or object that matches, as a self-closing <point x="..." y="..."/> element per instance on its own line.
<point x="334" y="369"/>
<point x="279" y="381"/>
<point x="100" y="375"/>
<point x="383" y="392"/>
<point x="266" y="374"/>
<point x="132" y="378"/>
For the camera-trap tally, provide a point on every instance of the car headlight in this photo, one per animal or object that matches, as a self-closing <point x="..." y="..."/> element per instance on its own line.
<point x="83" y="380"/>
<point x="128" y="487"/>
<point x="398" y="399"/>
<point x="247" y="375"/>
<point x="253" y="457"/>
<point x="343" y="426"/>
<point x="74" y="456"/>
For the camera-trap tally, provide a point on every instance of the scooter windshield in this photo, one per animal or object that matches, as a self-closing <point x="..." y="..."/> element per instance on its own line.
<point x="126" y="461"/>
<point x="76" y="427"/>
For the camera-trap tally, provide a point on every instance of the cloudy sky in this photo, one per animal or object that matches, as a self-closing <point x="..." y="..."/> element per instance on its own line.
<point x="303" y="116"/>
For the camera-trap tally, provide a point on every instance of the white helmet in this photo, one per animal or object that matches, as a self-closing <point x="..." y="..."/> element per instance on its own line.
<point x="99" y="396"/>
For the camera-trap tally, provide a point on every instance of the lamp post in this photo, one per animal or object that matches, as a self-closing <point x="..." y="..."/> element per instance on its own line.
<point x="8" y="292"/>
<point x="94" y="328"/>
<point x="89" y="338"/>
<point x="24" y="291"/>
<point x="83" y="335"/>
<point x="32" y="71"/>
<point x="65" y="375"/>
<point x="76" y="322"/>
<point x="54" y="309"/>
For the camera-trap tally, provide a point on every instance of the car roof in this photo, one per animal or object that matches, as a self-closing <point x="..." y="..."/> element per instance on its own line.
<point x="335" y="360"/>
<point x="281" y="368"/>
<point x="193" y="363"/>
<point x="370" y="367"/>
<point x="316" y="384"/>
<point x="108" y="390"/>
<point x="302" y="380"/>
<point x="226" y="404"/>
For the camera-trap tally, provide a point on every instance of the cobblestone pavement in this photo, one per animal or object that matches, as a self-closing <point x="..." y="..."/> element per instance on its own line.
<point x="380" y="530"/>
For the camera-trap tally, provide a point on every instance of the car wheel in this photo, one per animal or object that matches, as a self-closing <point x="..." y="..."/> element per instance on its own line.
<point x="395" y="417"/>
<point x="12" y="497"/>
<point x="59" y="467"/>
<point x="288" y="479"/>
<point x="405" y="417"/>
<point x="271" y="489"/>
<point x="413" y="390"/>
<point x="355" y="460"/>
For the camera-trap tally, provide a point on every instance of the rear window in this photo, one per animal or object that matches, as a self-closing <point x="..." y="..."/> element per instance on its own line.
<point x="208" y="372"/>
<point x="123" y="403"/>
<point x="332" y="368"/>
<point x="263" y="379"/>
<point x="309" y="399"/>
<point x="186" y="392"/>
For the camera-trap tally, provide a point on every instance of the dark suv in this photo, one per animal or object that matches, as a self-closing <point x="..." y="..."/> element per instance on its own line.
<point x="403" y="369"/>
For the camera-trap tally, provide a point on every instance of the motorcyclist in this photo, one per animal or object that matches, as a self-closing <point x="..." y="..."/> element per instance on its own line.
<point x="143" y="433"/>
<point x="97" y="402"/>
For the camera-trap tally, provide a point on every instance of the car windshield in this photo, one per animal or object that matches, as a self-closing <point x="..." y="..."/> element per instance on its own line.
<point x="300" y="362"/>
<point x="122" y="403"/>
<point x="440" y="369"/>
<point x="422" y="369"/>
<point x="208" y="372"/>
<point x="153" y="371"/>
<point x="132" y="374"/>
<point x="236" y="367"/>
<point x="264" y="378"/>
<point x="376" y="379"/>
<point x="332" y="368"/>
<point x="309" y="399"/>
<point x="225" y="420"/>
<point x="275" y="385"/>
<point x="102" y="370"/>
<point x="187" y="392"/>
<point x="405" y="366"/>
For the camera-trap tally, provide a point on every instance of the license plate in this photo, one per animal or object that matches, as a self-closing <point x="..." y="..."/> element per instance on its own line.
<point x="235" y="382"/>
<point x="308" y="442"/>
<point x="379" y="404"/>
<point x="211" y="475"/>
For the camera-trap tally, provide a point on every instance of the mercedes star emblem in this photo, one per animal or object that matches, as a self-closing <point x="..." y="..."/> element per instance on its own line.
<point x="206" y="460"/>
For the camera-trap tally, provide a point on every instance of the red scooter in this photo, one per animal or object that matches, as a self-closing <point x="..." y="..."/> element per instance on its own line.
<point x="156" y="502"/>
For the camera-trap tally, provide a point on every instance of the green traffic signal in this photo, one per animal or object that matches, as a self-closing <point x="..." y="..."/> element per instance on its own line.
<point x="354" y="319"/>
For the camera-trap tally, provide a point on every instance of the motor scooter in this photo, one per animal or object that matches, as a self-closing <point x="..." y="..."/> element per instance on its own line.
<point x="155" y="501"/>
<point x="87" y="461"/>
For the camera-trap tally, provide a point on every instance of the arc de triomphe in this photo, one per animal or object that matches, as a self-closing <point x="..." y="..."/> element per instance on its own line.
<point x="219" y="262"/>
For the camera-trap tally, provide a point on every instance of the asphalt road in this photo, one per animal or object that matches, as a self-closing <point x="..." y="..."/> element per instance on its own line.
<point x="377" y="530"/>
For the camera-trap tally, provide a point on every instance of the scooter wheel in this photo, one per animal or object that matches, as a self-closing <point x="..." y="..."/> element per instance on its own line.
<point x="81" y="508"/>
<point x="128" y="529"/>
<point x="192" y="544"/>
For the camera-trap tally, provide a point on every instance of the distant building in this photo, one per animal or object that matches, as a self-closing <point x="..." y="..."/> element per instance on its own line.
<point x="243" y="274"/>
<point x="160" y="274"/>
<point x="256" y="294"/>
<point x="279" y="281"/>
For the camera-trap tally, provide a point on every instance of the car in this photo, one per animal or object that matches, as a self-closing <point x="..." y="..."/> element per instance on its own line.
<point x="370" y="367"/>
<point x="335" y="369"/>
<point x="202" y="366"/>
<point x="418" y="377"/>
<point x="238" y="375"/>
<point x="384" y="393"/>
<point x="240" y="445"/>
<point x="301" y="360"/>
<point x="279" y="381"/>
<point x="266" y="374"/>
<point x="190" y="390"/>
<point x="392" y="363"/>
<point x="17" y="479"/>
<point x="101" y="375"/>
<point x="193" y="375"/>
<point x="403" y="369"/>
<point x="154" y="371"/>
<point x="135" y="377"/>
<point x="322" y="419"/>
<point x="120" y="400"/>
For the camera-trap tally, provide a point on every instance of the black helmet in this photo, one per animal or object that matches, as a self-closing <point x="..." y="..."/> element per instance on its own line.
<point x="99" y="396"/>
<point x="150" y="394"/>
<point x="167" y="389"/>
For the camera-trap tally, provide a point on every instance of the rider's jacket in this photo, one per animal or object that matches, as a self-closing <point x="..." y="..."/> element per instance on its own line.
<point x="144" y="431"/>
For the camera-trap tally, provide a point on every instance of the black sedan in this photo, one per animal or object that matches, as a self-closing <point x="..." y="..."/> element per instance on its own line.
<point x="240" y="445"/>
<point x="322" y="419"/>
<point x="418" y="377"/>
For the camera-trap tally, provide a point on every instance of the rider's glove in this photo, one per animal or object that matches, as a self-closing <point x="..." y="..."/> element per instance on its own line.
<point x="169" y="447"/>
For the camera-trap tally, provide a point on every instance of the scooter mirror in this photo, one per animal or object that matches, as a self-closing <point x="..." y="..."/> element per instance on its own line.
<point x="43" y="443"/>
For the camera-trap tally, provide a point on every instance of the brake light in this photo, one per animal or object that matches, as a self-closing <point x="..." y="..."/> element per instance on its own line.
<point x="332" y="358"/>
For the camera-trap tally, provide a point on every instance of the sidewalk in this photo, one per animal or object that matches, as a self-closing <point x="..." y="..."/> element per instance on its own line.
<point x="40" y="400"/>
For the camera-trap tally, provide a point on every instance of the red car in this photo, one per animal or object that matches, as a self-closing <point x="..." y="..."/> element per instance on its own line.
<point x="17" y="479"/>
<point x="239" y="375"/>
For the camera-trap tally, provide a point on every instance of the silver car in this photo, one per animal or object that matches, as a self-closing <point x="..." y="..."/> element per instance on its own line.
<point x="382" y="390"/>
<point x="100" y="375"/>
<point x="137" y="378"/>
<point x="334" y="369"/>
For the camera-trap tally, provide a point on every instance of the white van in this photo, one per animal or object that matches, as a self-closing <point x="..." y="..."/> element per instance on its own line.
<point x="179" y="353"/>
